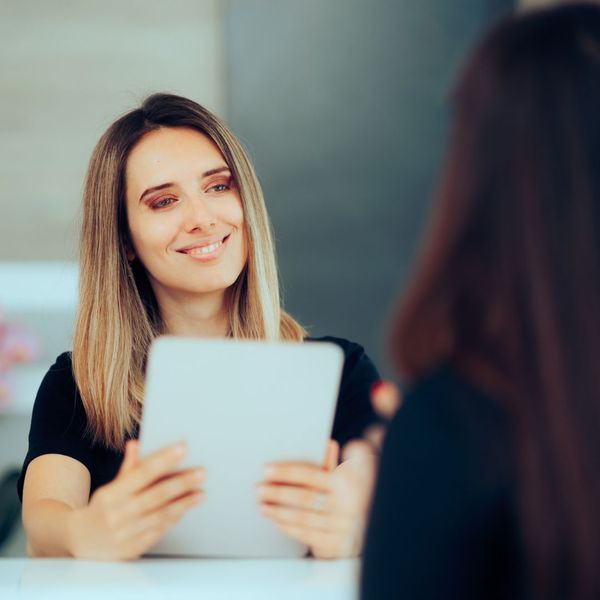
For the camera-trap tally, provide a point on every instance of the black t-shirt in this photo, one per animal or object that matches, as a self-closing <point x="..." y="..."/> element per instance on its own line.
<point x="444" y="519"/>
<point x="59" y="423"/>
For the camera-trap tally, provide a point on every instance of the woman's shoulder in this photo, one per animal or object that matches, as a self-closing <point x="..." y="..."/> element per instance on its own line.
<point x="447" y="480"/>
<point x="58" y="385"/>
<point x="63" y="362"/>
<point x="61" y="371"/>
<point x="350" y="349"/>
<point x="465" y="420"/>
<point x="357" y="364"/>
<point x="446" y="391"/>
<point x="354" y="411"/>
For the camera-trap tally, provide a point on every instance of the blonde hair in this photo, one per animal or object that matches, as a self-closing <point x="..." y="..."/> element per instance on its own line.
<point x="118" y="315"/>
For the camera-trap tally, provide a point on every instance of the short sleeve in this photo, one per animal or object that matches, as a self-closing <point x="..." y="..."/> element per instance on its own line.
<point x="58" y="421"/>
<point x="354" y="412"/>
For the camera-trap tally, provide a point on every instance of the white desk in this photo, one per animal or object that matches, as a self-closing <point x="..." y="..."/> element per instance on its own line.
<point x="178" y="579"/>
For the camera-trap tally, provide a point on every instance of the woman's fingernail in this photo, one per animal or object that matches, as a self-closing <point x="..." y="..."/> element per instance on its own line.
<point x="179" y="450"/>
<point x="270" y="471"/>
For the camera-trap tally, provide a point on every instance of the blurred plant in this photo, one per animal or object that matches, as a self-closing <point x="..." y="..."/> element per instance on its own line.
<point x="17" y="345"/>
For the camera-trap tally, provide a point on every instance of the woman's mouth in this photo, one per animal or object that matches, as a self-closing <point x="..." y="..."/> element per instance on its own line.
<point x="206" y="252"/>
<point x="204" y="249"/>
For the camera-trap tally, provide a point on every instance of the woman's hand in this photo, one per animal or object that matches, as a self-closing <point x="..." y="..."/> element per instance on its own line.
<point x="322" y="507"/>
<point x="386" y="400"/>
<point x="129" y="515"/>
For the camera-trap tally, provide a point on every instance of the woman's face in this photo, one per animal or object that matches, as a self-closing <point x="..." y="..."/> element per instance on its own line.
<point x="185" y="216"/>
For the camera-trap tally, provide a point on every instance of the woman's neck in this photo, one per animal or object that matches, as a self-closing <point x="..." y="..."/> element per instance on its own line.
<point x="202" y="315"/>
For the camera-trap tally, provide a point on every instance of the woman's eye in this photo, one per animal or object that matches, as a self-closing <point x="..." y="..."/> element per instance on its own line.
<point x="163" y="202"/>
<point x="219" y="187"/>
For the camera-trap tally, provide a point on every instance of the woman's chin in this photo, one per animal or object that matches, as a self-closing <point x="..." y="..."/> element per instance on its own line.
<point x="209" y="286"/>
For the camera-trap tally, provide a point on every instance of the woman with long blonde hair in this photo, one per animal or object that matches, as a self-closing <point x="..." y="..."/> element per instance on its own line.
<point x="175" y="240"/>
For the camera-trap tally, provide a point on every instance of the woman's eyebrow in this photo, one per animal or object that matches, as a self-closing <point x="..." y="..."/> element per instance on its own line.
<point x="215" y="171"/>
<point x="162" y="186"/>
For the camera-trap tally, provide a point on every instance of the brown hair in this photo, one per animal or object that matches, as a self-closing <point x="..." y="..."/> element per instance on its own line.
<point x="118" y="315"/>
<point x="508" y="285"/>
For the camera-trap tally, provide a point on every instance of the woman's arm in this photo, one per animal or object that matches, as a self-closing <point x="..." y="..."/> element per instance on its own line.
<point x="55" y="485"/>
<point x="123" y="518"/>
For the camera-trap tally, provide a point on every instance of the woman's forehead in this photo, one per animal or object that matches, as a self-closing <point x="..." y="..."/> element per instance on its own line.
<point x="173" y="143"/>
<point x="171" y="152"/>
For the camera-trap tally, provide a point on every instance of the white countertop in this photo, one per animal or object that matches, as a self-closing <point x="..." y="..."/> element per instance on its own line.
<point x="178" y="579"/>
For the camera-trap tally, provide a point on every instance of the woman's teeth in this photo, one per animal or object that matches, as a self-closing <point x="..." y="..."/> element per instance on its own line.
<point x="204" y="249"/>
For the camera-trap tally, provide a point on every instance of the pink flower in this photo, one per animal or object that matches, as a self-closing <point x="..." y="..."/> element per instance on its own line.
<point x="5" y="392"/>
<point x="17" y="345"/>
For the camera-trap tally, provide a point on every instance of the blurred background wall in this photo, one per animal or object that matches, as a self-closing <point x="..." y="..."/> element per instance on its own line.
<point x="68" y="69"/>
<point x="342" y="105"/>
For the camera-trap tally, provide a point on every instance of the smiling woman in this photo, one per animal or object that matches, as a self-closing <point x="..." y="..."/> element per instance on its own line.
<point x="175" y="240"/>
<point x="188" y="232"/>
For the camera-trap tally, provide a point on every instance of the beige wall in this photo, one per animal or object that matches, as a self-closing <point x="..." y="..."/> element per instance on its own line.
<point x="68" y="68"/>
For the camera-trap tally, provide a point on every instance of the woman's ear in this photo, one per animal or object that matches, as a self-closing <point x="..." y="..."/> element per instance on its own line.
<point x="129" y="251"/>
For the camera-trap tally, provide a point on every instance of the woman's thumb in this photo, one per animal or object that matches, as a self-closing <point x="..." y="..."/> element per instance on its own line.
<point x="333" y="455"/>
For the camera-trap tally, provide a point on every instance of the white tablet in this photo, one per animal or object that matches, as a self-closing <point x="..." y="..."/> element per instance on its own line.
<point x="238" y="405"/>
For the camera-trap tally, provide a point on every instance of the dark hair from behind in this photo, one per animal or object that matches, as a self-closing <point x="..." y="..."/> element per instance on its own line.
<point x="508" y="286"/>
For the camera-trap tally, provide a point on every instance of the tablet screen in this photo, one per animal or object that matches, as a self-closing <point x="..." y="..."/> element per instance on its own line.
<point x="238" y="404"/>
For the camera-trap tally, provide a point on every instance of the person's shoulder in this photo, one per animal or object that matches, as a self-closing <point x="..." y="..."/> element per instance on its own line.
<point x="350" y="349"/>
<point x="59" y="375"/>
<point x="354" y="411"/>
<point x="63" y="362"/>
<point x="444" y="388"/>
<point x="451" y="406"/>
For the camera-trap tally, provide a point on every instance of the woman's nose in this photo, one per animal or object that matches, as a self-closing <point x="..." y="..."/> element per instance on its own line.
<point x="198" y="215"/>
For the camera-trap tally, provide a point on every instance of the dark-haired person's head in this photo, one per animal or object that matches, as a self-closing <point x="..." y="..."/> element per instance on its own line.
<point x="507" y="289"/>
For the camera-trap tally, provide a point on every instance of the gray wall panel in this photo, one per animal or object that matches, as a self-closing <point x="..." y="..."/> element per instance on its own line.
<point x="342" y="104"/>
